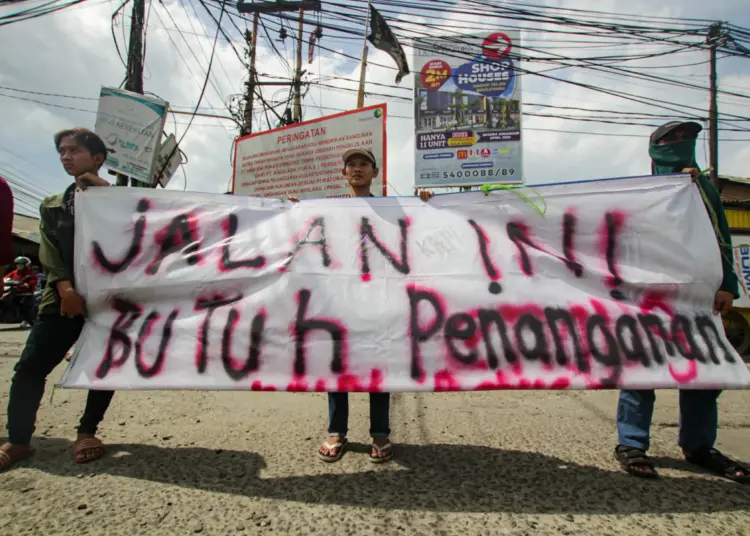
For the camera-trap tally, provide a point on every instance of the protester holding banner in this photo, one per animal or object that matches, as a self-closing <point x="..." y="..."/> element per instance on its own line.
<point x="62" y="310"/>
<point x="672" y="150"/>
<point x="360" y="168"/>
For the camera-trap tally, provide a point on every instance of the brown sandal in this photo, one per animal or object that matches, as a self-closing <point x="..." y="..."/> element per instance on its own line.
<point x="635" y="462"/>
<point x="92" y="444"/>
<point x="7" y="461"/>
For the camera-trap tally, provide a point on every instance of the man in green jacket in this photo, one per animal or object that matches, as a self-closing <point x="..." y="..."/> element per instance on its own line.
<point x="62" y="310"/>
<point x="672" y="150"/>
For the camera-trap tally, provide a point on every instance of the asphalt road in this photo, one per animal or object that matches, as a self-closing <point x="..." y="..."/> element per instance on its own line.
<point x="486" y="463"/>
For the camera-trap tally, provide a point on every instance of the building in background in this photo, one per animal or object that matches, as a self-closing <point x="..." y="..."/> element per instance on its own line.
<point x="735" y="195"/>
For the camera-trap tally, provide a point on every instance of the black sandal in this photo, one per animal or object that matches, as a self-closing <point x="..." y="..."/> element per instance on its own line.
<point x="715" y="462"/>
<point x="631" y="458"/>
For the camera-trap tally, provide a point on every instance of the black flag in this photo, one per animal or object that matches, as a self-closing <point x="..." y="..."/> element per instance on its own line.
<point x="382" y="37"/>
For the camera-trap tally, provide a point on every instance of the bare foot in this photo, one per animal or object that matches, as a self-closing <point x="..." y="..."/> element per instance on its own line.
<point x="87" y="448"/>
<point x="12" y="454"/>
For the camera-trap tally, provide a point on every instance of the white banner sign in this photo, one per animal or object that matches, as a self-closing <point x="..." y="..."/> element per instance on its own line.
<point x="467" y="112"/>
<point x="131" y="126"/>
<point x="168" y="160"/>
<point x="304" y="160"/>
<point x="606" y="289"/>
<point x="741" y="249"/>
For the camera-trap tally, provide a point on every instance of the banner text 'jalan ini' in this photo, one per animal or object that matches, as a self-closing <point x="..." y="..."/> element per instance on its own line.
<point x="393" y="295"/>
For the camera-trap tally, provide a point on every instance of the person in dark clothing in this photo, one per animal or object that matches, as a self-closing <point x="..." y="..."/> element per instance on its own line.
<point x="61" y="311"/>
<point x="6" y="223"/>
<point x="672" y="150"/>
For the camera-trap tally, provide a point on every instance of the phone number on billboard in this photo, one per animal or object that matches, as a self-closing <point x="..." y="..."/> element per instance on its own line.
<point x="504" y="172"/>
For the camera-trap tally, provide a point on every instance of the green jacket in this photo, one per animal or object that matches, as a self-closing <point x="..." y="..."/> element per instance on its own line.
<point x="712" y="197"/>
<point x="57" y="230"/>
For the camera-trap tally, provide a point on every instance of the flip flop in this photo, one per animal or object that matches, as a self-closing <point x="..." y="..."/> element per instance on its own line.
<point x="340" y="445"/>
<point x="382" y="459"/>
<point x="88" y="443"/>
<point x="6" y="461"/>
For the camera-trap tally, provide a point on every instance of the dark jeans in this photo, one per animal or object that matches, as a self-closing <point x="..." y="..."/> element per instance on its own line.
<point x="338" y="414"/>
<point x="50" y="338"/>
<point x="699" y="419"/>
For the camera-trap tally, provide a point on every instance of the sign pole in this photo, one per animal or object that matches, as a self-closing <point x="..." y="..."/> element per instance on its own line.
<point x="134" y="73"/>
<point x="363" y="63"/>
<point x="298" y="74"/>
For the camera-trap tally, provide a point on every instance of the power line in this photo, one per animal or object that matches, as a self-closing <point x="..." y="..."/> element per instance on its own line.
<point x="667" y="105"/>
<point x="94" y="111"/>
<point x="37" y="11"/>
<point x="597" y="119"/>
<point x="200" y="97"/>
<point x="190" y="48"/>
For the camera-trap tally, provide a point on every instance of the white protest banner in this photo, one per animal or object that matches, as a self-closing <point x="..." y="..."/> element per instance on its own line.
<point x="131" y="125"/>
<point x="304" y="159"/>
<point x="467" y="110"/>
<point x="168" y="159"/>
<point x="612" y="286"/>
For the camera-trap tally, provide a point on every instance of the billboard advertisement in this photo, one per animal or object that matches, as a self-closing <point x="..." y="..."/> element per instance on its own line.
<point x="467" y="110"/>
<point x="304" y="160"/>
<point x="131" y="126"/>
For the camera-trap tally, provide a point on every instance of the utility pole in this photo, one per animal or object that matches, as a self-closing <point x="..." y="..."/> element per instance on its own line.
<point x="134" y="73"/>
<point x="134" y="80"/>
<point x="276" y="6"/>
<point x="298" y="72"/>
<point x="252" y="41"/>
<point x="714" y="33"/>
<point x="363" y="64"/>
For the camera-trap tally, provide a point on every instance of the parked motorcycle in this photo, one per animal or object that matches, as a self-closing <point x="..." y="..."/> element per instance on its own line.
<point x="18" y="303"/>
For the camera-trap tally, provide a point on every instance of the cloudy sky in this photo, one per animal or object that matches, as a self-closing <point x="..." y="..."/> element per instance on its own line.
<point x="72" y="53"/>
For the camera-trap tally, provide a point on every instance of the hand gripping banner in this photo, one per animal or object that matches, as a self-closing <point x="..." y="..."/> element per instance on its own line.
<point x="611" y="287"/>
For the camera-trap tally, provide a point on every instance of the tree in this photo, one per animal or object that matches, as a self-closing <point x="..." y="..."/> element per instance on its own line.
<point x="458" y="106"/>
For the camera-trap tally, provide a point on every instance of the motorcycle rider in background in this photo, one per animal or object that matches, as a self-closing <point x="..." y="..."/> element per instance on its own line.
<point x="23" y="273"/>
<point x="27" y="282"/>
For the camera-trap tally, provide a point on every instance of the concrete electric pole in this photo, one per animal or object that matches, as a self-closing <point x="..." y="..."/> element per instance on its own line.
<point x="134" y="74"/>
<point x="277" y="6"/>
<point x="714" y="34"/>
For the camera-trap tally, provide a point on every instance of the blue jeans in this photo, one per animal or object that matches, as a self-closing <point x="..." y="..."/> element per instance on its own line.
<point x="699" y="419"/>
<point x="338" y="414"/>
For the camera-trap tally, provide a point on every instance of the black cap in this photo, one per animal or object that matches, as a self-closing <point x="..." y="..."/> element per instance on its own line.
<point x="691" y="127"/>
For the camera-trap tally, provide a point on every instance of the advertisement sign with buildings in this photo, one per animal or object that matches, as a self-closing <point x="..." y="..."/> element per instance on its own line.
<point x="304" y="160"/>
<point x="131" y="126"/>
<point x="467" y="110"/>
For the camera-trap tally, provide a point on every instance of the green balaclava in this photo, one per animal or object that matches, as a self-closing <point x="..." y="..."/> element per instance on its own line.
<point x="673" y="157"/>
